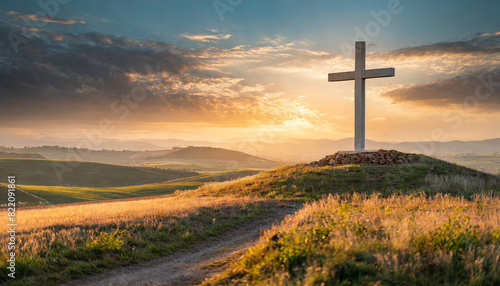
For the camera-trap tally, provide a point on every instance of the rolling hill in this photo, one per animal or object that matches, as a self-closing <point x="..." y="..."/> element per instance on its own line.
<point x="291" y="150"/>
<point x="37" y="182"/>
<point x="84" y="174"/>
<point x="206" y="156"/>
<point x="206" y="153"/>
<point x="12" y="155"/>
<point x="32" y="195"/>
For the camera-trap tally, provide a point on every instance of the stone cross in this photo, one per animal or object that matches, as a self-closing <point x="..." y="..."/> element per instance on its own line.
<point x="359" y="75"/>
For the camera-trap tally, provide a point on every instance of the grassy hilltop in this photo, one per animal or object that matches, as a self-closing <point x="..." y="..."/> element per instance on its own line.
<point x="425" y="223"/>
<point x="431" y="223"/>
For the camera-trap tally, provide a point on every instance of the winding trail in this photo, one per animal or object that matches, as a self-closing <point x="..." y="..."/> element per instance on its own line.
<point x="189" y="266"/>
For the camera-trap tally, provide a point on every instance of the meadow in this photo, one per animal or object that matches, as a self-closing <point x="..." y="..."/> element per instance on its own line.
<point x="370" y="240"/>
<point x="64" y="195"/>
<point x="489" y="163"/>
<point x="428" y="223"/>
<point x="38" y="183"/>
<point x="41" y="195"/>
<point x="42" y="172"/>
<point x="58" y="243"/>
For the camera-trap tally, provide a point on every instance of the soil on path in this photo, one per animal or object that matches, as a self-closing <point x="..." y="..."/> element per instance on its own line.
<point x="189" y="266"/>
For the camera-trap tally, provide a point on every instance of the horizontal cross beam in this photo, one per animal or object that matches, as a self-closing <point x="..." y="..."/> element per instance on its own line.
<point x="374" y="73"/>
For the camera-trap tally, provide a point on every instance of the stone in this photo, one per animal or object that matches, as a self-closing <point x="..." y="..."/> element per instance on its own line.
<point x="379" y="157"/>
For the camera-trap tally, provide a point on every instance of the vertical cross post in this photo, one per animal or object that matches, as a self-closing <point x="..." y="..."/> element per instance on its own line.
<point x="359" y="97"/>
<point x="359" y="75"/>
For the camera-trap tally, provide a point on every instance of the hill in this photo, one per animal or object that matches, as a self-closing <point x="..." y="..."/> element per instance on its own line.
<point x="429" y="222"/>
<point x="489" y="163"/>
<point x="44" y="195"/>
<point x="11" y="155"/>
<point x="84" y="174"/>
<point x="199" y="158"/>
<point x="205" y="153"/>
<point x="306" y="150"/>
<point x="289" y="150"/>
<point x="75" y="154"/>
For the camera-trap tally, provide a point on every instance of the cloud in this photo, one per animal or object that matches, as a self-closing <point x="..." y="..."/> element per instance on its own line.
<point x="477" y="92"/>
<point x="479" y="44"/>
<point x="46" y="18"/>
<point x="207" y="38"/>
<point x="66" y="78"/>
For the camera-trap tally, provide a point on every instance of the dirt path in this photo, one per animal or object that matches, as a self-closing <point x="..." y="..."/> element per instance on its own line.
<point x="186" y="267"/>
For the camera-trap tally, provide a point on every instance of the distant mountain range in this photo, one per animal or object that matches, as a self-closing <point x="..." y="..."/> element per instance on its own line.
<point x="126" y="157"/>
<point x="286" y="151"/>
<point x="303" y="150"/>
<point x="15" y="155"/>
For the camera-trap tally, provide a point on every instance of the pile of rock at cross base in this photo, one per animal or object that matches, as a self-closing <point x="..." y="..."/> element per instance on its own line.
<point x="380" y="157"/>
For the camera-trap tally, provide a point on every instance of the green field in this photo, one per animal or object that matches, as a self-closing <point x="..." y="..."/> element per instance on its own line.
<point x="489" y="163"/>
<point x="217" y="176"/>
<point x="84" y="174"/>
<point x="88" y="181"/>
<point x="205" y="165"/>
<point x="23" y="197"/>
<point x="63" y="195"/>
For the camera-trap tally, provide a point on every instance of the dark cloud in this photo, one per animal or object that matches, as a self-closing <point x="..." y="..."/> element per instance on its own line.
<point x="80" y="77"/>
<point x="478" y="92"/>
<point x="480" y="44"/>
<point x="80" y="71"/>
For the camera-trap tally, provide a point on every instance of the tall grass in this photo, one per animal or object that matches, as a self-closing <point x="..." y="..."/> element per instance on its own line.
<point x="370" y="240"/>
<point x="106" y="213"/>
<point x="460" y="184"/>
<point x="55" y="244"/>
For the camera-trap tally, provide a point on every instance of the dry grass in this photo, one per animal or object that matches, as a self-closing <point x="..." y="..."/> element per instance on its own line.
<point x="460" y="184"/>
<point x="59" y="243"/>
<point x="118" y="212"/>
<point x="366" y="240"/>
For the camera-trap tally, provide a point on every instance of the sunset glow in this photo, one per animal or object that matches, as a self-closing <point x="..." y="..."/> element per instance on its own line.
<point x="173" y="70"/>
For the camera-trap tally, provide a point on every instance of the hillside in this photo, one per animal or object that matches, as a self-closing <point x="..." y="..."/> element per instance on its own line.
<point x="84" y="174"/>
<point x="429" y="222"/>
<point x="196" y="157"/>
<point x="489" y="163"/>
<point x="206" y="153"/>
<point x="12" y="155"/>
<point x="306" y="182"/>
<point x="44" y="195"/>
<point x="65" y="153"/>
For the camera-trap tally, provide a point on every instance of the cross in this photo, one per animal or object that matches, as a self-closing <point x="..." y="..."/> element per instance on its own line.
<point x="359" y="75"/>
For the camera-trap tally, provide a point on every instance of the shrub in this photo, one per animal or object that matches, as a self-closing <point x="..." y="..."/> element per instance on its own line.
<point x="454" y="235"/>
<point x="107" y="242"/>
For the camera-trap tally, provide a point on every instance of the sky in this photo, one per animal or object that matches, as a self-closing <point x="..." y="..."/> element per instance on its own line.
<point x="223" y="70"/>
